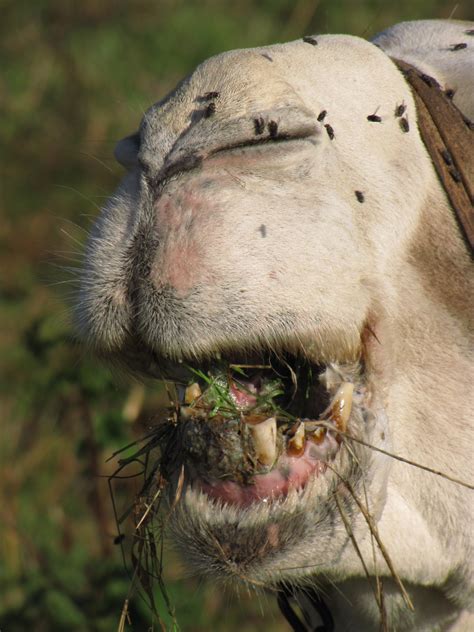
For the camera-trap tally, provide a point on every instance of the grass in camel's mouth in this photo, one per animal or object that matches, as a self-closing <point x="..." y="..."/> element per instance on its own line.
<point x="240" y="421"/>
<point x="239" y="433"/>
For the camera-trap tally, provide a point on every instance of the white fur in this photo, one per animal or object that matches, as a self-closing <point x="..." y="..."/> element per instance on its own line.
<point x="184" y="270"/>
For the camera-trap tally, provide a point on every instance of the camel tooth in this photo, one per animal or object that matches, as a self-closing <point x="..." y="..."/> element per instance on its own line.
<point x="264" y="436"/>
<point x="341" y="406"/>
<point x="297" y="441"/>
<point x="192" y="392"/>
<point x="318" y="435"/>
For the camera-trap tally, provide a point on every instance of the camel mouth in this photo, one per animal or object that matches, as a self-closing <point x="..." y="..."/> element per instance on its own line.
<point x="251" y="429"/>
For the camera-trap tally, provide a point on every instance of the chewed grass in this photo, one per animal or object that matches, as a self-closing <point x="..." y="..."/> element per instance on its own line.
<point x="148" y="517"/>
<point x="157" y="464"/>
<point x="217" y="399"/>
<point x="204" y="429"/>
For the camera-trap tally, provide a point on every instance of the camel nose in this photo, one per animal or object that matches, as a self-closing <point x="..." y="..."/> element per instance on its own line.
<point x="126" y="151"/>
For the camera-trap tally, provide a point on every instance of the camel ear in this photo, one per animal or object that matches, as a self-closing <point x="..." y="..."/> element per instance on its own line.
<point x="126" y="150"/>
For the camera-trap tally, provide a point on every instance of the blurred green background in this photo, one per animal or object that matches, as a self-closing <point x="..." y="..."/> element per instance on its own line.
<point x="74" y="78"/>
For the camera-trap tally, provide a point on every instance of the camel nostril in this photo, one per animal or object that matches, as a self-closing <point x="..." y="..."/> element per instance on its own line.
<point x="126" y="150"/>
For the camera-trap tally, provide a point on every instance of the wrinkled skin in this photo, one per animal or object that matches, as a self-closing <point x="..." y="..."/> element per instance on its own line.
<point x="215" y="244"/>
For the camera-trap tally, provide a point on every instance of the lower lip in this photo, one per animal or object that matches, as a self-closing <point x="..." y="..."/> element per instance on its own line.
<point x="289" y="473"/>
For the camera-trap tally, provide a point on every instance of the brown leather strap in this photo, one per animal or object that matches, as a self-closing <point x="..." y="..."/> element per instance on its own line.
<point x="449" y="139"/>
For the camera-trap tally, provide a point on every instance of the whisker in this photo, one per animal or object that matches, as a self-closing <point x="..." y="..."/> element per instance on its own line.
<point x="64" y="268"/>
<point x="65" y="253"/>
<point x="71" y="282"/>
<point x="76" y="241"/>
<point x="78" y="193"/>
<point x="101" y="162"/>
<point x="75" y="225"/>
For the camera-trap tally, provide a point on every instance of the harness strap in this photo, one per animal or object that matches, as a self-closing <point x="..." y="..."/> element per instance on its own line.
<point x="449" y="138"/>
<point x="313" y="608"/>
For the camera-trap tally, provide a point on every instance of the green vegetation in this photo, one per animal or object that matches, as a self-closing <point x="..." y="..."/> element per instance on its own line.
<point x="216" y="400"/>
<point x="75" y="77"/>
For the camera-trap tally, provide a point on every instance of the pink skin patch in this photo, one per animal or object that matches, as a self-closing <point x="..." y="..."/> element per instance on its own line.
<point x="180" y="223"/>
<point x="183" y="269"/>
<point x="185" y="216"/>
<point x="291" y="472"/>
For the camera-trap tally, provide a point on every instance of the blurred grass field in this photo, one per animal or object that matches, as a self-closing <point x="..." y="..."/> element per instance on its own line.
<point x="75" y="78"/>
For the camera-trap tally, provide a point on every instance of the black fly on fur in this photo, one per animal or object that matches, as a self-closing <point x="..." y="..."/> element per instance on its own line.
<point x="259" y="125"/>
<point x="404" y="125"/>
<point x="330" y="131"/>
<point x="273" y="129"/>
<point x="400" y="110"/>
<point x="210" y="110"/>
